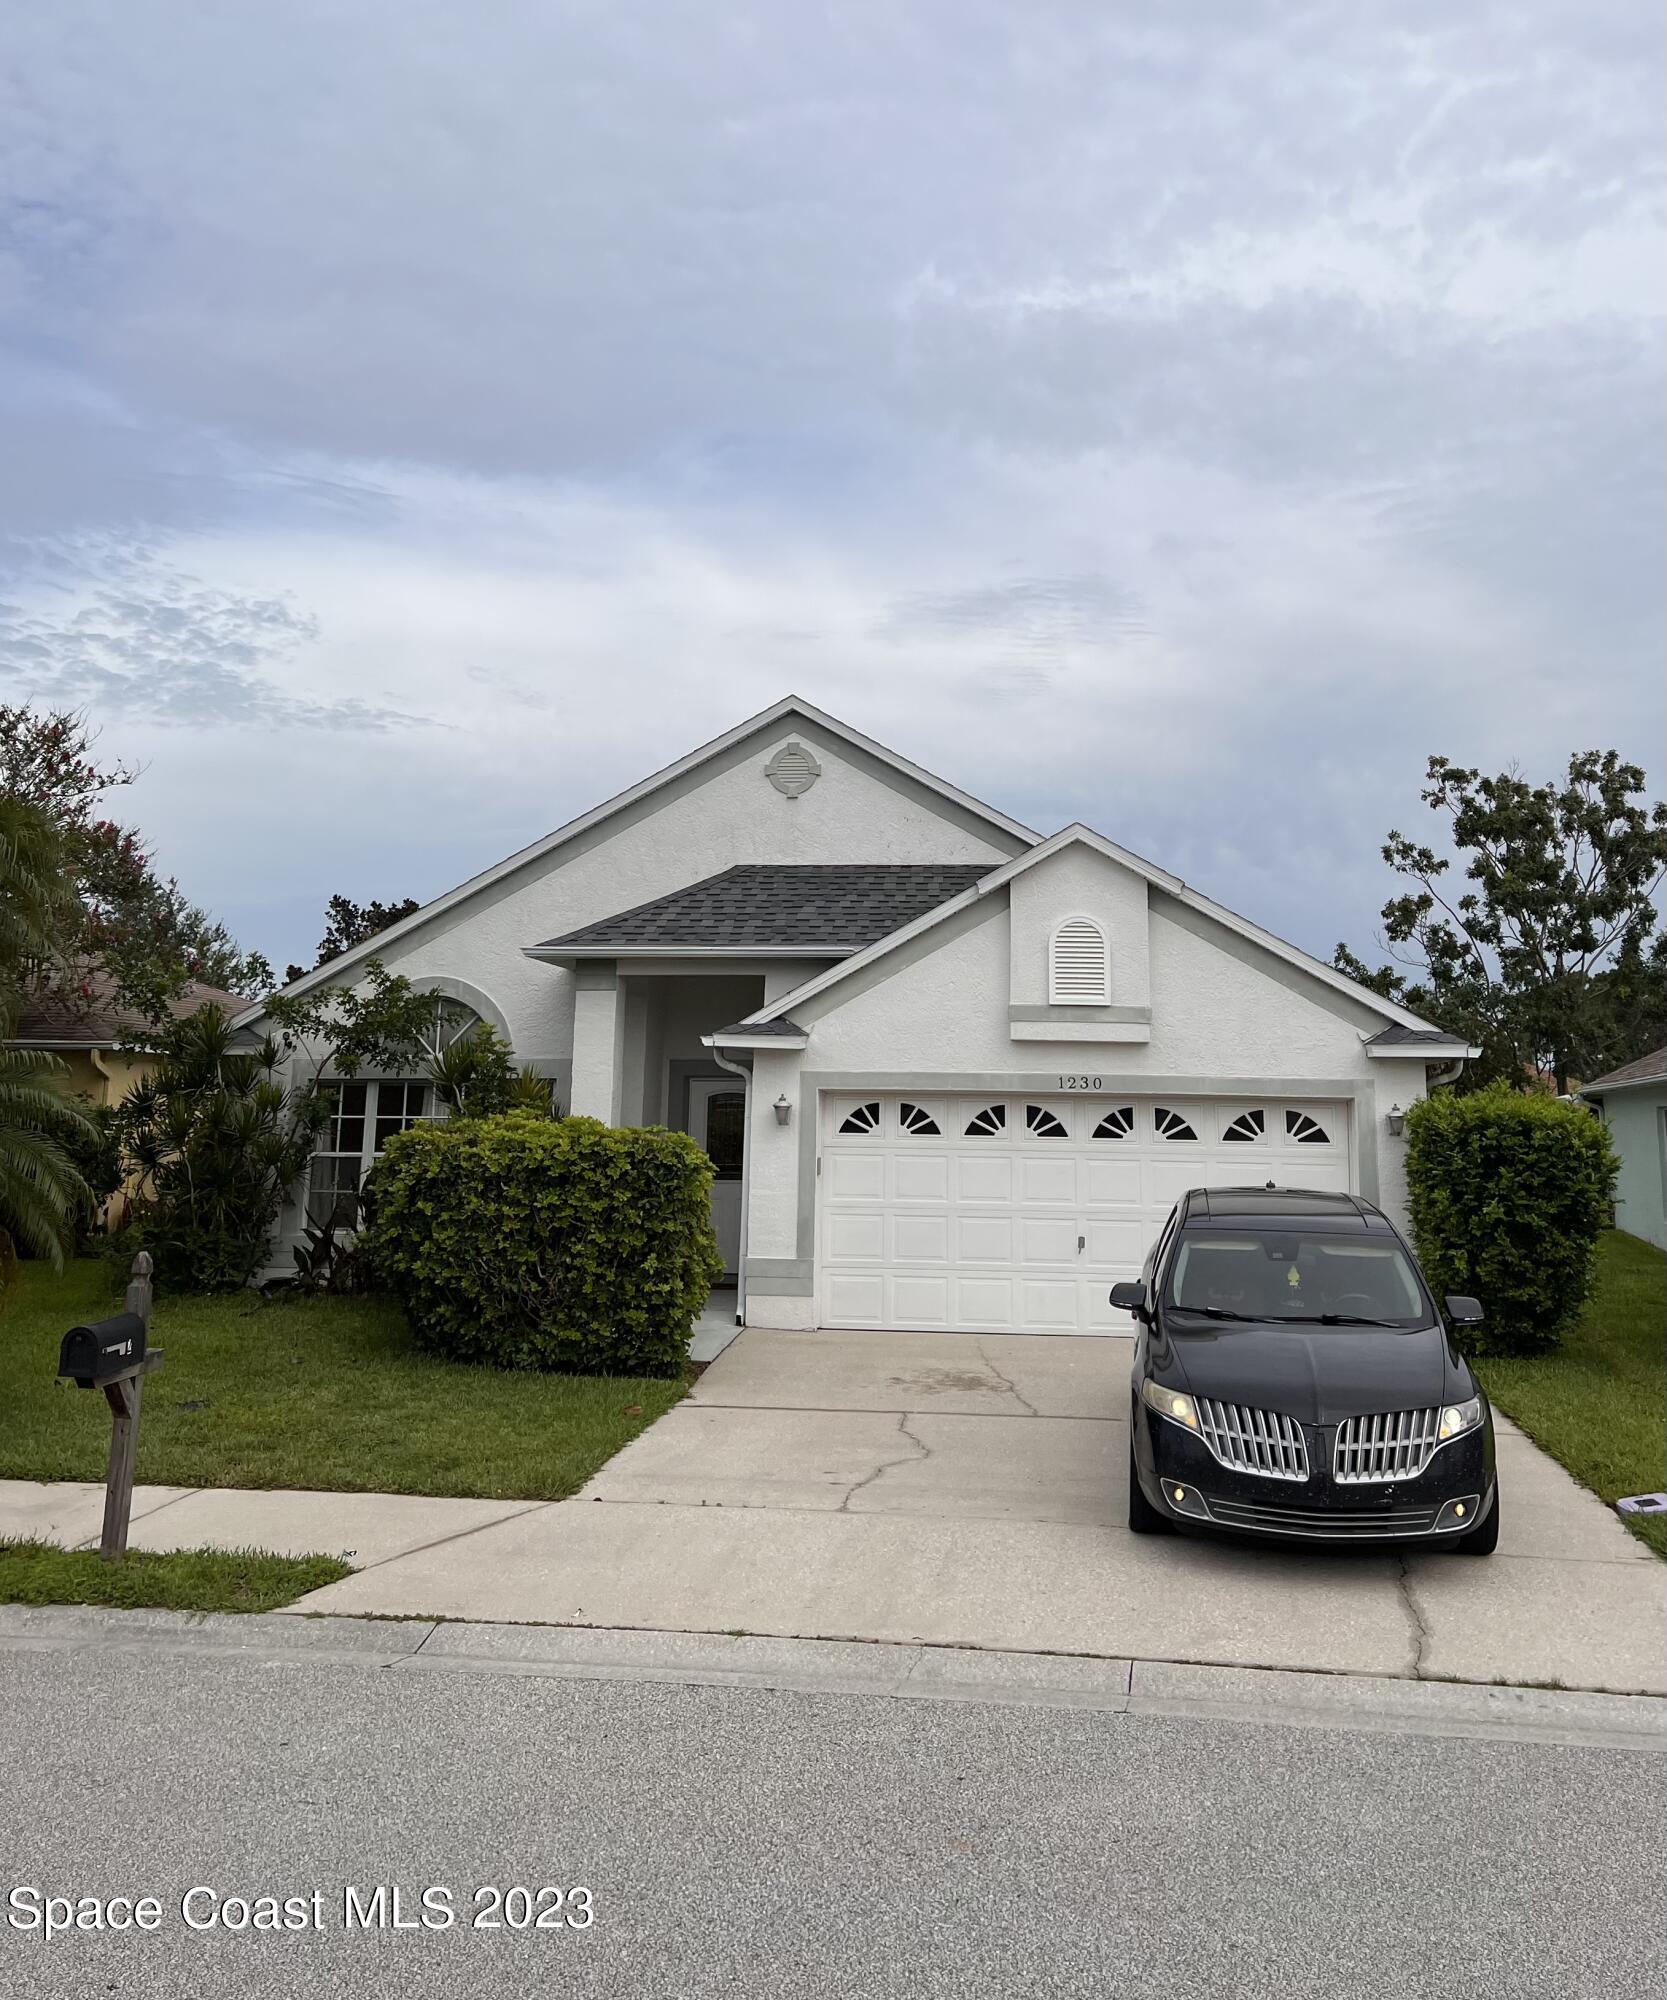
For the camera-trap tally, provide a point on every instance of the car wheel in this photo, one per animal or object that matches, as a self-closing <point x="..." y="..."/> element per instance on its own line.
<point x="1144" y="1518"/>
<point x="1483" y="1539"/>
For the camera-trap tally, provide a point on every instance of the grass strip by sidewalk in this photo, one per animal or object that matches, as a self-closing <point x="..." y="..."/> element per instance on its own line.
<point x="328" y="1394"/>
<point x="1599" y="1404"/>
<point x="184" y="1580"/>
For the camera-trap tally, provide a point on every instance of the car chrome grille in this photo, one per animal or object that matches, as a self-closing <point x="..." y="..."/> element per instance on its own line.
<point x="1329" y="1525"/>
<point x="1394" y="1444"/>
<point x="1247" y="1440"/>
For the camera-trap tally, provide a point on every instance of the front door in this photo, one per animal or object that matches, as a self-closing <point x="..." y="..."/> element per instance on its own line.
<point x="717" y="1120"/>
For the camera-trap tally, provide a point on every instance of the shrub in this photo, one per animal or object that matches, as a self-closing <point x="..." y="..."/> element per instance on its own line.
<point x="526" y="1242"/>
<point x="217" y="1143"/>
<point x="1509" y="1194"/>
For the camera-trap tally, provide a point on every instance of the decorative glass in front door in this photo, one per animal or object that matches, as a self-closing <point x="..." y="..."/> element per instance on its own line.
<point x="725" y="1123"/>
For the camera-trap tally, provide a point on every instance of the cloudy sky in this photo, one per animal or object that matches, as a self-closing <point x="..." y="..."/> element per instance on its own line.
<point x="420" y="421"/>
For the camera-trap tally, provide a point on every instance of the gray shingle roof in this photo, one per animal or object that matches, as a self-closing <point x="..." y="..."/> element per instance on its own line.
<point x="1395" y="1034"/>
<point x="1647" y="1069"/>
<point x="834" y="908"/>
<point x="780" y="1025"/>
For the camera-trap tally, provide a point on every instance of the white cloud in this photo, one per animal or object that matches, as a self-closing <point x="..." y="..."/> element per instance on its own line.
<point x="420" y="426"/>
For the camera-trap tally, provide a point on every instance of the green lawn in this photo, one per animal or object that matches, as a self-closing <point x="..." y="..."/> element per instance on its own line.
<point x="1599" y="1404"/>
<point x="187" y="1580"/>
<point x="323" y="1393"/>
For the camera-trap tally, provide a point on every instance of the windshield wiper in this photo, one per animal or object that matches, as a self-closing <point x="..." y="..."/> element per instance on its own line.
<point x="1332" y="1319"/>
<point x="1217" y="1312"/>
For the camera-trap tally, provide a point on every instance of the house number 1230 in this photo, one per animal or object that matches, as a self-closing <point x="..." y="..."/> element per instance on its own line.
<point x="1079" y="1083"/>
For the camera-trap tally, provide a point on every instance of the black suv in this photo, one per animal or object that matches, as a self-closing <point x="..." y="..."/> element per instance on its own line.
<point x="1293" y="1377"/>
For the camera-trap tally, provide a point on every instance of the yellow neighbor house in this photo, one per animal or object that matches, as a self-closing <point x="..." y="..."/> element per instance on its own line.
<point x="83" y="1029"/>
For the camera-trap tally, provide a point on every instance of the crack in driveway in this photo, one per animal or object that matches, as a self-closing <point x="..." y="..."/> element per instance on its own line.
<point x="1006" y="1382"/>
<point x="918" y="1456"/>
<point x="1421" y="1631"/>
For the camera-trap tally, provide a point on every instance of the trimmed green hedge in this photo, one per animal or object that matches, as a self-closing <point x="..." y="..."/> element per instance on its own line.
<point x="526" y="1242"/>
<point x="1509" y="1193"/>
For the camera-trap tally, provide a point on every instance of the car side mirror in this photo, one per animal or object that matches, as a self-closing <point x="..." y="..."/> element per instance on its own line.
<point x="1462" y="1311"/>
<point x="1129" y="1295"/>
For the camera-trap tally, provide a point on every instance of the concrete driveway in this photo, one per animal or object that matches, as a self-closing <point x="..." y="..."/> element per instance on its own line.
<point x="971" y="1492"/>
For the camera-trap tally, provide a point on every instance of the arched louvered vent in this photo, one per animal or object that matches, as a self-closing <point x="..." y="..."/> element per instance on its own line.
<point x="986" y="1123"/>
<point x="1248" y="1126"/>
<point x="1079" y="965"/>
<point x="863" y="1118"/>
<point x="1118" y="1123"/>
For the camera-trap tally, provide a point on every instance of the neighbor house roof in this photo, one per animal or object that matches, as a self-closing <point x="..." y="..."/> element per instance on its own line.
<point x="829" y="909"/>
<point x="1647" y="1069"/>
<point x="95" y="1019"/>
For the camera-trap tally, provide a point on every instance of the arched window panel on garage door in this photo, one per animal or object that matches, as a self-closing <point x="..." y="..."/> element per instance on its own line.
<point x="1305" y="1129"/>
<point x="1170" y="1124"/>
<point x="988" y="1123"/>
<point x="861" y="1118"/>
<point x="916" y="1120"/>
<point x="1041" y="1123"/>
<point x="1246" y="1128"/>
<point x="1118" y="1123"/>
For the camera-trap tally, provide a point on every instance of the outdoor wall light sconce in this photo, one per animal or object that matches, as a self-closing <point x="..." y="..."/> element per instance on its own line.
<point x="782" y="1109"/>
<point x="1395" y="1118"/>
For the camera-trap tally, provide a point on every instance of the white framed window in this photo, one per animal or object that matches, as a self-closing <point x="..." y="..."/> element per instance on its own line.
<point x="1079" y="965"/>
<point x="364" y="1116"/>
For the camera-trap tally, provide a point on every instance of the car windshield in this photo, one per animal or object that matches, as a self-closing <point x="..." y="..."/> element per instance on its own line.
<point x="1283" y="1274"/>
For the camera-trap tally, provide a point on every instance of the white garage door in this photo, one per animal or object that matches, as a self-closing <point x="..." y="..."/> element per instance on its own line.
<point x="1017" y="1214"/>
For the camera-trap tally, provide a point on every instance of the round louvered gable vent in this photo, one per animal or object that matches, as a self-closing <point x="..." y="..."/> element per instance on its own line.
<point x="792" y="770"/>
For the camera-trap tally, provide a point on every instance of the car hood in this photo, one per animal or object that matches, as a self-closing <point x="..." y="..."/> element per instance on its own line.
<point x="1318" y="1375"/>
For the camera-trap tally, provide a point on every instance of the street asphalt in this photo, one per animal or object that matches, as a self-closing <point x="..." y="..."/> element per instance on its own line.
<point x="771" y="1841"/>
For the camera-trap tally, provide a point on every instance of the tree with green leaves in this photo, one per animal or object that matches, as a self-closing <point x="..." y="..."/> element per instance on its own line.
<point x="1550" y="957"/>
<point x="124" y="918"/>
<point x="347" y="924"/>
<point x="41" y="1193"/>
<point x="386" y="1024"/>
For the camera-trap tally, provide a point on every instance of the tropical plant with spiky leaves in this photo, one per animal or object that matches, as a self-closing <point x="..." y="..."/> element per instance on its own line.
<point x="217" y="1143"/>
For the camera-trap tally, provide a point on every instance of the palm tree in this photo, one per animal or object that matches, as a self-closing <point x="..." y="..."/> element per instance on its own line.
<point x="41" y="1193"/>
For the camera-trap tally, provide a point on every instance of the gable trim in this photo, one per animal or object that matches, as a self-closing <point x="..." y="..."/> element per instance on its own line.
<point x="625" y="808"/>
<point x="1169" y="896"/>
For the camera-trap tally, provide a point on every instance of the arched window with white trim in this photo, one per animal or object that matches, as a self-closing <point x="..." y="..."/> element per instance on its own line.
<point x="1079" y="965"/>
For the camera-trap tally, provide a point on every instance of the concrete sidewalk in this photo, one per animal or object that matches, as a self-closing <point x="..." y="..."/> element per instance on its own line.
<point x="949" y="1492"/>
<point x="362" y="1528"/>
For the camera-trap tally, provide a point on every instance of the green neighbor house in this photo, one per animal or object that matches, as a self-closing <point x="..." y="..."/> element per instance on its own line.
<point x="1632" y="1102"/>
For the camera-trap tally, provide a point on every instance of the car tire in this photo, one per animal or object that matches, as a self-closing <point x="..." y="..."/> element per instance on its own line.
<point x="1483" y="1539"/>
<point x="1144" y="1518"/>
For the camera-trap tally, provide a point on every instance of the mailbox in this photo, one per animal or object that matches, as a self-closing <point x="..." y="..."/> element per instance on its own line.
<point x="100" y="1352"/>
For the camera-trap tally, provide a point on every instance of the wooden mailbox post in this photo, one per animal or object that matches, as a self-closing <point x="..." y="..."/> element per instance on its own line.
<point x="115" y="1355"/>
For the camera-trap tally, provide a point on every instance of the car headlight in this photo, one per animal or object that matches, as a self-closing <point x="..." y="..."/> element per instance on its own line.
<point x="1458" y="1418"/>
<point x="1178" y="1407"/>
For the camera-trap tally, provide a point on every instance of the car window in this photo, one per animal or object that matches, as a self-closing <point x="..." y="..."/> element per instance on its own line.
<point x="1285" y="1275"/>
<point x="1155" y="1256"/>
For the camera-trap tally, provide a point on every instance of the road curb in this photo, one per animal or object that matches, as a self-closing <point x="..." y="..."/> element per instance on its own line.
<point x="834" y="1667"/>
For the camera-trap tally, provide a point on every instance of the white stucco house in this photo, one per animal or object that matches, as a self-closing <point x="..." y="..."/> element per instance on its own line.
<point x="1632" y="1102"/>
<point x="952" y="1074"/>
